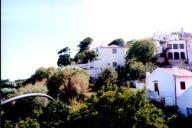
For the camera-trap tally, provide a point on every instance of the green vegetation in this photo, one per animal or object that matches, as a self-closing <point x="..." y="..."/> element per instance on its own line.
<point x="68" y="83"/>
<point x="109" y="102"/>
<point x="120" y="42"/>
<point x="85" y="55"/>
<point x="107" y="79"/>
<point x="140" y="58"/>
<point x="110" y="105"/>
<point x="142" y="50"/>
<point x="64" y="57"/>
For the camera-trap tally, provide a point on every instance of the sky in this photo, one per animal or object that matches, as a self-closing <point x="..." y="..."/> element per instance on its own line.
<point x="33" y="31"/>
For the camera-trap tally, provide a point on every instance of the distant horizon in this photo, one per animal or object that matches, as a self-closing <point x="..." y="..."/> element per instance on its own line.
<point x="34" y="31"/>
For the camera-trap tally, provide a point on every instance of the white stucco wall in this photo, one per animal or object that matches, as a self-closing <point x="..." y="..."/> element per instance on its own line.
<point x="185" y="101"/>
<point x="166" y="85"/>
<point x="106" y="57"/>
<point x="188" y="83"/>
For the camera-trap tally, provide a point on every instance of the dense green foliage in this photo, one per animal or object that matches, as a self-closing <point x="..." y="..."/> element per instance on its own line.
<point x="28" y="107"/>
<point x="54" y="115"/>
<point x="140" y="58"/>
<point x="85" y="55"/>
<point x="109" y="102"/>
<point x="7" y="87"/>
<point x="67" y="83"/>
<point x="85" y="44"/>
<point x="120" y="42"/>
<point x="26" y="123"/>
<point x="64" y="57"/>
<point x="107" y="80"/>
<point x="122" y="108"/>
<point x="136" y="69"/>
<point x="40" y="74"/>
<point x="142" y="50"/>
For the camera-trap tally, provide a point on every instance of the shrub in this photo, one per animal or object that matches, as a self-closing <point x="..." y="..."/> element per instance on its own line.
<point x="68" y="83"/>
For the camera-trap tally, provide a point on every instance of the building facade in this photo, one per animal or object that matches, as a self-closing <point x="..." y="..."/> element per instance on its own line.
<point x="177" y="48"/>
<point x="108" y="56"/>
<point x="173" y="85"/>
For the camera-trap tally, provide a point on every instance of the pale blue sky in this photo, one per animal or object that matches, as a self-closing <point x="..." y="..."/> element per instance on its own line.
<point x="33" y="31"/>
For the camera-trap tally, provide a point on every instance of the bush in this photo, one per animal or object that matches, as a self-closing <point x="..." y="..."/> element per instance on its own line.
<point x="28" y="107"/>
<point x="55" y="115"/>
<point x="68" y="83"/>
<point x="26" y="123"/>
<point x="106" y="80"/>
<point x="123" y="108"/>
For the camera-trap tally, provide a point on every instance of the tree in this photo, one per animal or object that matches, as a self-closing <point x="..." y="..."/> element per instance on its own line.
<point x="40" y="74"/>
<point x="85" y="44"/>
<point x="28" y="107"/>
<point x="7" y="87"/>
<point x="136" y="69"/>
<point x="68" y="83"/>
<point x="106" y="79"/>
<point x="64" y="57"/>
<point x="119" y="109"/>
<point x="142" y="50"/>
<point x="129" y="43"/>
<point x="54" y="115"/>
<point x="120" y="42"/>
<point x="85" y="55"/>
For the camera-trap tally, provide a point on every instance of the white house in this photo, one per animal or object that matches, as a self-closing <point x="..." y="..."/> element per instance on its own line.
<point x="173" y="85"/>
<point x="178" y="47"/>
<point x="108" y="56"/>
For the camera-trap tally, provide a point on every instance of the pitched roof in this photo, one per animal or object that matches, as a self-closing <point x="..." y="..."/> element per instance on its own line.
<point x="177" y="71"/>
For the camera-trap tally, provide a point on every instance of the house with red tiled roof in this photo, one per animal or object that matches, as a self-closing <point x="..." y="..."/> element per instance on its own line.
<point x="174" y="86"/>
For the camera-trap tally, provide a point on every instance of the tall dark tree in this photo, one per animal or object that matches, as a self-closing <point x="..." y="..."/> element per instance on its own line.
<point x="85" y="55"/>
<point x="120" y="42"/>
<point x="64" y="57"/>
<point x="85" y="44"/>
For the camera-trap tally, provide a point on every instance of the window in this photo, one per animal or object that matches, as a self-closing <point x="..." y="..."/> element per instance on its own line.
<point x="114" y="50"/>
<point x="182" y="85"/>
<point x="176" y="55"/>
<point x="170" y="55"/>
<point x="182" y="54"/>
<point x="181" y="46"/>
<point x="114" y="64"/>
<point x="175" y="46"/>
<point x="156" y="88"/>
<point x="169" y="46"/>
<point x="189" y="112"/>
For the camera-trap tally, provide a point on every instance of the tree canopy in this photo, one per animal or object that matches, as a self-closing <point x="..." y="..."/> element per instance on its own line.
<point x="106" y="79"/>
<point x="85" y="44"/>
<point x="142" y="50"/>
<point x="85" y="55"/>
<point x="67" y="83"/>
<point x="64" y="57"/>
<point x="120" y="42"/>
